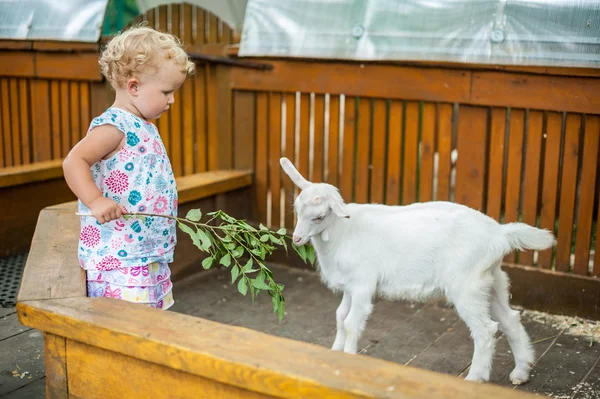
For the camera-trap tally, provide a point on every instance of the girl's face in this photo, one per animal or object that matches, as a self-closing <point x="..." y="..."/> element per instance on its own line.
<point x="152" y="94"/>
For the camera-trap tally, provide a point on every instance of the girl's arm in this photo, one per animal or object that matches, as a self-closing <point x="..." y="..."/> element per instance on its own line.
<point x="102" y="141"/>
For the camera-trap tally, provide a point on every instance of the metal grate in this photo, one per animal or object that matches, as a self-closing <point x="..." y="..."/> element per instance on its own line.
<point x="11" y="270"/>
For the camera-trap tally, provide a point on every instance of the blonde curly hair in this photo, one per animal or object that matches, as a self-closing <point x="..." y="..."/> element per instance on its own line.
<point x="136" y="50"/>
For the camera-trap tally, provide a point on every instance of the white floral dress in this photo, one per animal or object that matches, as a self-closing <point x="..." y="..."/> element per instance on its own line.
<point x="128" y="259"/>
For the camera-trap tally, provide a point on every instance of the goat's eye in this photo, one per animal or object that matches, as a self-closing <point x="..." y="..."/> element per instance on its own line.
<point x="318" y="218"/>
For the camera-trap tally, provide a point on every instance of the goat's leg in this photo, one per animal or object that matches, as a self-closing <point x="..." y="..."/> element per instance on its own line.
<point x="511" y="326"/>
<point x="474" y="308"/>
<point x="340" y="315"/>
<point x="354" y="324"/>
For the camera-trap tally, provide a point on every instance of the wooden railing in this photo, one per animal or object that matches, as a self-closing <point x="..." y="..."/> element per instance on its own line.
<point x="526" y="142"/>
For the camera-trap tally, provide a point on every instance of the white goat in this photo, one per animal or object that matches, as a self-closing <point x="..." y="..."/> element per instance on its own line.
<point x="417" y="252"/>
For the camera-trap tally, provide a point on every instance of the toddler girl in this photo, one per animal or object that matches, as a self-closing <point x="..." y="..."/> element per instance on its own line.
<point x="121" y="167"/>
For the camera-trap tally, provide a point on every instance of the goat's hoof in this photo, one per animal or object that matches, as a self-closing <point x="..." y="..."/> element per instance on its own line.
<point x="519" y="376"/>
<point x="476" y="377"/>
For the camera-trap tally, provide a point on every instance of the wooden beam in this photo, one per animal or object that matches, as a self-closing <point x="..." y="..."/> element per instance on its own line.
<point x="465" y="86"/>
<point x="50" y="65"/>
<point x="202" y="185"/>
<point x="259" y="363"/>
<point x="31" y="173"/>
<point x="554" y="292"/>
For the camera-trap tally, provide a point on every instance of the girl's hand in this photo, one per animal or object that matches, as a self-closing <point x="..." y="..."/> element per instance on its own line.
<point x="105" y="210"/>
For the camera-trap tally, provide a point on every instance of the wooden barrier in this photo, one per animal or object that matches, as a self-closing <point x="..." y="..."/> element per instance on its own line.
<point x="86" y="339"/>
<point x="527" y="143"/>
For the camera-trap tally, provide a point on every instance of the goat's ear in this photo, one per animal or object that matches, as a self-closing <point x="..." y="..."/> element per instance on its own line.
<point x="292" y="172"/>
<point x="339" y="208"/>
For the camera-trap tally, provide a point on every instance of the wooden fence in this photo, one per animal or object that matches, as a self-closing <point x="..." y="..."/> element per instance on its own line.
<point x="526" y="143"/>
<point x="50" y="91"/>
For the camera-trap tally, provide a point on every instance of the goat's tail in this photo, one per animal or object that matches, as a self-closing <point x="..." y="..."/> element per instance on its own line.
<point x="521" y="236"/>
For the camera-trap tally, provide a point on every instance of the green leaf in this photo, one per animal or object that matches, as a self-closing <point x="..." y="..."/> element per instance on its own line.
<point x="260" y="285"/>
<point x="261" y="276"/>
<point x="275" y="239"/>
<point x="230" y="246"/>
<point x="281" y="310"/>
<point x="225" y="260"/>
<point x="227" y="238"/>
<point x="207" y="262"/>
<point x="206" y="243"/>
<point x="248" y="265"/>
<point x="194" y="215"/>
<point x="238" y="252"/>
<point x="275" y="303"/>
<point x="310" y="254"/>
<point x="264" y="238"/>
<point x="235" y="272"/>
<point x="263" y="228"/>
<point x="281" y="231"/>
<point x="242" y="287"/>
<point x="187" y="229"/>
<point x="302" y="252"/>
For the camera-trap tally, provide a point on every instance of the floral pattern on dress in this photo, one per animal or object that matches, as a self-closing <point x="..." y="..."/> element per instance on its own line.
<point x="140" y="178"/>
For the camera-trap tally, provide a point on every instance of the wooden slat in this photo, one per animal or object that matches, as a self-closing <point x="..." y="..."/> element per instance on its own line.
<point x="394" y="153"/>
<point x="596" y="270"/>
<point x="586" y="195"/>
<point x="243" y="124"/>
<point x="290" y="148"/>
<point x="444" y="113"/>
<point x="175" y="113"/>
<point x="25" y="124"/>
<point x="319" y="139"/>
<point x="74" y="112"/>
<point x="85" y="104"/>
<point x="410" y="157"/>
<point x="427" y="149"/>
<point x="55" y="353"/>
<point x="150" y="17"/>
<point x="57" y="145"/>
<point x="261" y="168"/>
<point x="496" y="163"/>
<point x="363" y="141"/>
<point x="41" y="120"/>
<point x="213" y="36"/>
<point x="513" y="170"/>
<point x="334" y="141"/>
<point x="65" y="121"/>
<point x="568" y="187"/>
<point x="378" y="152"/>
<point x="52" y="66"/>
<point x="186" y="31"/>
<point x="224" y="117"/>
<point x="349" y="146"/>
<point x="532" y="176"/>
<point x="200" y="133"/>
<point x="211" y="114"/>
<point x="162" y="18"/>
<point x="6" y="137"/>
<point x="3" y="130"/>
<point x="200" y="36"/>
<point x="17" y="63"/>
<point x="304" y="144"/>
<point x="550" y="181"/>
<point x="274" y="155"/>
<point x="14" y="117"/>
<point x="189" y="151"/>
<point x="260" y="364"/>
<point x="471" y="146"/>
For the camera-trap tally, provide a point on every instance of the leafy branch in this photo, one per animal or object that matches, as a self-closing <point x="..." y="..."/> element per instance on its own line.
<point x="227" y="240"/>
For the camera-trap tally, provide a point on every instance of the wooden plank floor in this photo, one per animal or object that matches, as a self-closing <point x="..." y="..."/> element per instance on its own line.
<point x="429" y="336"/>
<point x="22" y="368"/>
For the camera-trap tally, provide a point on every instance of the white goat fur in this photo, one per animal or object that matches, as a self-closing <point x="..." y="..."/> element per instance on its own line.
<point x="417" y="252"/>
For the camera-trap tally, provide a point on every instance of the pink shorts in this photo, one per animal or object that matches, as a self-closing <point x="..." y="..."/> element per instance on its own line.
<point x="150" y="285"/>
